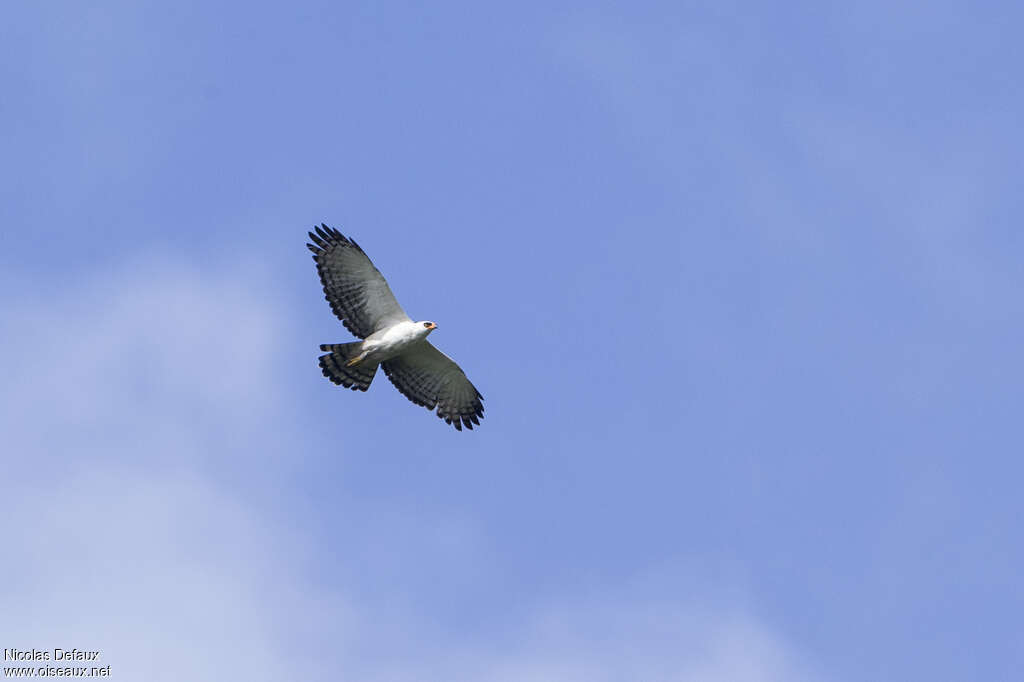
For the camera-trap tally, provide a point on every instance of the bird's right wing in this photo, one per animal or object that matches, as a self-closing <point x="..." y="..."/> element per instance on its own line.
<point x="359" y="295"/>
<point x="430" y="378"/>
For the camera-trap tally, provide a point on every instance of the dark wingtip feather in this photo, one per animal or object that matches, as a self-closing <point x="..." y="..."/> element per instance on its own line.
<point x="328" y="236"/>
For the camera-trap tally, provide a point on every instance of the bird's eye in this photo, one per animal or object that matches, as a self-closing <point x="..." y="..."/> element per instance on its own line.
<point x="427" y="325"/>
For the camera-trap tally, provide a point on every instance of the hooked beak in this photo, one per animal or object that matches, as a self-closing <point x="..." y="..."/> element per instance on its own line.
<point x="432" y="326"/>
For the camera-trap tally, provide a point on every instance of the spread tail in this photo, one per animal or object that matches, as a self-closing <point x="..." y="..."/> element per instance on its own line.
<point x="334" y="365"/>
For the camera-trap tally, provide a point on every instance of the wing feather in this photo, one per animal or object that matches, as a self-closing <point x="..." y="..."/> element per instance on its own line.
<point x="428" y="377"/>
<point x="359" y="295"/>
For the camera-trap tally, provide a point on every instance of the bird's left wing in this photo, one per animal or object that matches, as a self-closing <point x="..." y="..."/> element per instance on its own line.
<point x="359" y="295"/>
<point x="430" y="378"/>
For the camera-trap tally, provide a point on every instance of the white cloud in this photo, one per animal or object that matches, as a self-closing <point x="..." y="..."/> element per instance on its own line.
<point x="121" y="538"/>
<point x="612" y="638"/>
<point x="152" y="358"/>
<point x="119" y="393"/>
<point x="169" y="579"/>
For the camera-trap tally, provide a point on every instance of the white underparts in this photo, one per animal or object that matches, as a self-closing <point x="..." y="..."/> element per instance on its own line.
<point x="387" y="343"/>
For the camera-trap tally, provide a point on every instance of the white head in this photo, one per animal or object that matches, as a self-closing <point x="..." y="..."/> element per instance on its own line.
<point x="428" y="326"/>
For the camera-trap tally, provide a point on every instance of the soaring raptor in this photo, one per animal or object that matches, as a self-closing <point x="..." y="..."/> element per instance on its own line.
<point x="363" y="301"/>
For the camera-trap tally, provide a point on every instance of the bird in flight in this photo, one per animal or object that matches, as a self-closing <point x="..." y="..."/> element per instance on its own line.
<point x="361" y="298"/>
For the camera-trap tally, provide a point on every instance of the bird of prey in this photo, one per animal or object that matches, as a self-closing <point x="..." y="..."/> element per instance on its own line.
<point x="362" y="300"/>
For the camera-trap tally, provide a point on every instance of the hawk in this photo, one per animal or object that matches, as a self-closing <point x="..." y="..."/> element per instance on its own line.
<point x="361" y="298"/>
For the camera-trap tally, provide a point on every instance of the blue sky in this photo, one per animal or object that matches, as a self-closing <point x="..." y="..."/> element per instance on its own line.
<point x="740" y="284"/>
